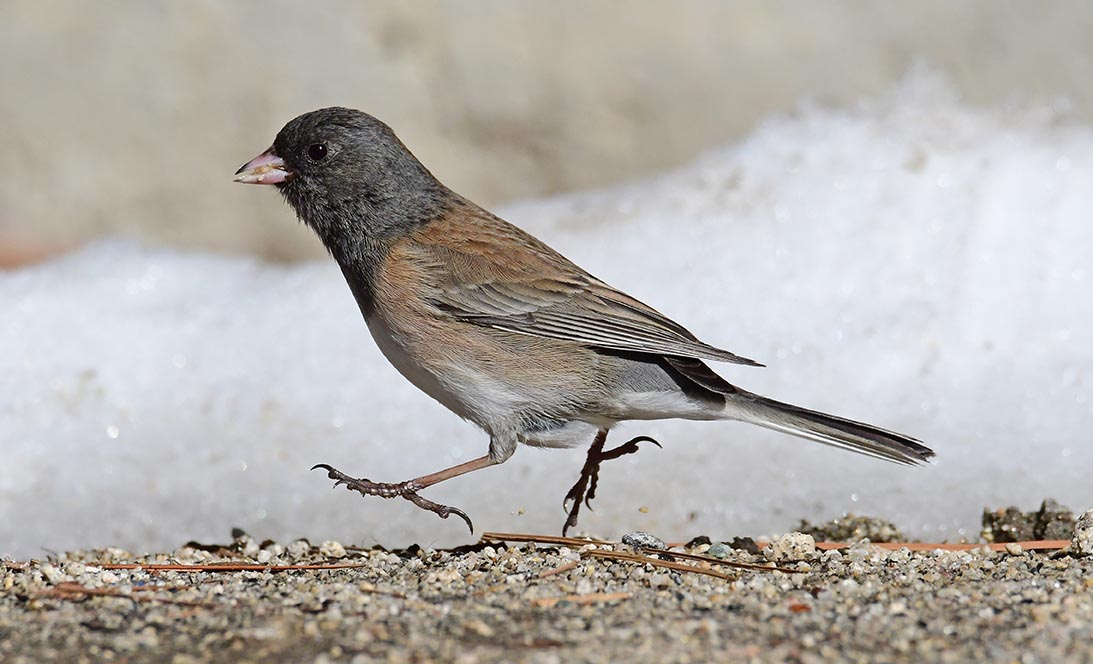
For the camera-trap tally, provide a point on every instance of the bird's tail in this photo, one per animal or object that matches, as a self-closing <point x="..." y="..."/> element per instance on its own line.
<point x="827" y="429"/>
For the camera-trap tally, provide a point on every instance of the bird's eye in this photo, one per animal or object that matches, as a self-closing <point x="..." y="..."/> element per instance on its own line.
<point x="316" y="151"/>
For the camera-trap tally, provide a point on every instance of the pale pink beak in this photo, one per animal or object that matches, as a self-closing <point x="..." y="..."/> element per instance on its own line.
<point x="266" y="168"/>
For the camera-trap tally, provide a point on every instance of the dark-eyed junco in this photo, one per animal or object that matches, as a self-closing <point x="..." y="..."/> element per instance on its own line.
<point x="497" y="326"/>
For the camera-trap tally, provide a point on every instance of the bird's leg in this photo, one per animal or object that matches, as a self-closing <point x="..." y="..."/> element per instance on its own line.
<point x="629" y="447"/>
<point x="584" y="490"/>
<point x="409" y="488"/>
<point x="577" y="492"/>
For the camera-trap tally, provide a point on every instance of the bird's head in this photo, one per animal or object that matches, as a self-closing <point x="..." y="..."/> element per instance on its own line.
<point x="347" y="176"/>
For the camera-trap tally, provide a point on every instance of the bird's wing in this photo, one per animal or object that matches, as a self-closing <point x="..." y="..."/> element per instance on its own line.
<point x="534" y="290"/>
<point x="593" y="314"/>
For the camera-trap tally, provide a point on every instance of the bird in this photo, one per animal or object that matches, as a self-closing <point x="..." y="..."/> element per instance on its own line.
<point x="500" y="328"/>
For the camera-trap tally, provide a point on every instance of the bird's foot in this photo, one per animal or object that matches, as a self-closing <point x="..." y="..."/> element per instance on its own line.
<point x="407" y="490"/>
<point x="584" y="490"/>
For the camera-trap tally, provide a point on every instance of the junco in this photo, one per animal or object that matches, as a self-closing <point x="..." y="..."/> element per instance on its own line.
<point x="497" y="326"/>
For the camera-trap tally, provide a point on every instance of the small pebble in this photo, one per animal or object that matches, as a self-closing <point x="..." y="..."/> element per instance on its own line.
<point x="250" y="547"/>
<point x="298" y="549"/>
<point x="642" y="540"/>
<point x="445" y="576"/>
<point x="719" y="550"/>
<point x="332" y="549"/>
<point x="52" y="574"/>
<point x="1082" y="544"/>
<point x="793" y="546"/>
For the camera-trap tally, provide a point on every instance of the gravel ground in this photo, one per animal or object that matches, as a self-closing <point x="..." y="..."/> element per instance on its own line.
<point x="551" y="603"/>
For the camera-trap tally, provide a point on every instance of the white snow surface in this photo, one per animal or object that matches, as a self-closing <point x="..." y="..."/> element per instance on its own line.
<point x="911" y="262"/>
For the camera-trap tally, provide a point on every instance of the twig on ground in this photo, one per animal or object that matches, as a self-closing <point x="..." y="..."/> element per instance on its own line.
<point x="542" y="539"/>
<point x="224" y="567"/>
<point x="591" y="598"/>
<point x="1032" y="545"/>
<point x="718" y="561"/>
<point x="561" y="569"/>
<point x="656" y="562"/>
<point x="72" y="590"/>
<point x="372" y="590"/>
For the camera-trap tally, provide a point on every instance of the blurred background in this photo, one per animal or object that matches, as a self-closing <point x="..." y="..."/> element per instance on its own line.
<point x="886" y="202"/>
<point x="130" y="117"/>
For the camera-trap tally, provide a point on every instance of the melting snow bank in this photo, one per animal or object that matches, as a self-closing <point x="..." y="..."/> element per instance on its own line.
<point x="911" y="262"/>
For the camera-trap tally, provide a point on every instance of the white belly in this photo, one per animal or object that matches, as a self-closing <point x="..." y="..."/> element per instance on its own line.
<point x="457" y="385"/>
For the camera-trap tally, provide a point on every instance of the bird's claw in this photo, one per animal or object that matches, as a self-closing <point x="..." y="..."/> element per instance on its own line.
<point x="584" y="490"/>
<point x="443" y="511"/>
<point x="629" y="447"/>
<point x="407" y="490"/>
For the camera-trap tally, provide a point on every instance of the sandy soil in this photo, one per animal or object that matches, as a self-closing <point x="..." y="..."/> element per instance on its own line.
<point x="550" y="602"/>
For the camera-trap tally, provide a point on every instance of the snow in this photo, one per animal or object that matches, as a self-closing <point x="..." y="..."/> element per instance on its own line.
<point x="911" y="262"/>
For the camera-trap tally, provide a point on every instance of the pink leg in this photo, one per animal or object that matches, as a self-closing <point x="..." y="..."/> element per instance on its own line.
<point x="409" y="488"/>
